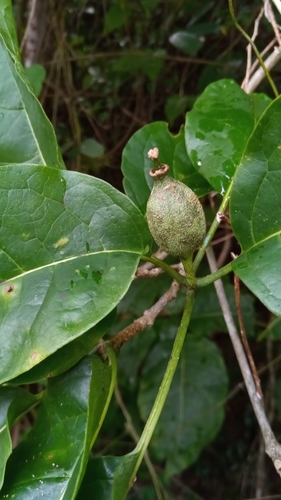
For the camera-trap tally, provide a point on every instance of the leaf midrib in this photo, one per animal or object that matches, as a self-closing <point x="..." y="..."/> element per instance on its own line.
<point x="68" y="259"/>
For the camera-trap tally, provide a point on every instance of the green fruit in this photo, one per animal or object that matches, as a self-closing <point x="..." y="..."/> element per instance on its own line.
<point x="175" y="215"/>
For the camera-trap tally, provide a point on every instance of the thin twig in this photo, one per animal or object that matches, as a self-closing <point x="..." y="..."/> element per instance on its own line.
<point x="265" y="69"/>
<point x="272" y="447"/>
<point x="269" y="14"/>
<point x="147" y="319"/>
<point x="142" y="272"/>
<point x="269" y="402"/>
<point x="259" y="75"/>
<point x="244" y="336"/>
<point x="255" y="64"/>
<point x="249" y="50"/>
<point x="160" y="254"/>
<point x="224" y="253"/>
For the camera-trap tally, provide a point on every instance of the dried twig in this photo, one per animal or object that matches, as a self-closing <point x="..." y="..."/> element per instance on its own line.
<point x="272" y="447"/>
<point x="269" y="14"/>
<point x="249" y="51"/>
<point x="259" y="75"/>
<point x="255" y="64"/>
<point x="143" y="272"/>
<point x="224" y="253"/>
<point x="160" y="254"/>
<point x="244" y="336"/>
<point x="252" y="80"/>
<point x="269" y="402"/>
<point x="148" y="317"/>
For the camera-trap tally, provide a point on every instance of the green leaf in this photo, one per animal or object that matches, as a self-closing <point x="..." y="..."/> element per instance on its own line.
<point x="99" y="482"/>
<point x="14" y="401"/>
<point x="131" y="358"/>
<point x="8" y="28"/>
<point x="255" y="210"/>
<point x="272" y="331"/>
<point x="70" y="247"/>
<point x="115" y="17"/>
<point x="99" y="477"/>
<point x="36" y="74"/>
<point x="149" y="5"/>
<point x="52" y="460"/>
<point x="217" y="130"/>
<point x="91" y="148"/>
<point x="193" y="412"/>
<point x="68" y="355"/>
<point x="207" y="316"/>
<point x="30" y="137"/>
<point x="198" y="391"/>
<point x="136" y="165"/>
<point x="175" y="106"/>
<point x="260" y="104"/>
<point x="108" y="478"/>
<point x="141" y="62"/>
<point x="141" y="295"/>
<point x="203" y="28"/>
<point x="152" y="63"/>
<point x="189" y="43"/>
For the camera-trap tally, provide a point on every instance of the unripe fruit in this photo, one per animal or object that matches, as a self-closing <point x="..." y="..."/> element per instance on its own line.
<point x="175" y="215"/>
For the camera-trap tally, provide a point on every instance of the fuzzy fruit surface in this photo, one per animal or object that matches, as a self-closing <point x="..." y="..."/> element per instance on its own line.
<point x="175" y="215"/>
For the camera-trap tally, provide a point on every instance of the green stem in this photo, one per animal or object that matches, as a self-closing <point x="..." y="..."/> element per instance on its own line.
<point x="189" y="272"/>
<point x="210" y="278"/>
<point x="248" y="38"/>
<point x="212" y="230"/>
<point x="165" y="267"/>
<point x="166" y="382"/>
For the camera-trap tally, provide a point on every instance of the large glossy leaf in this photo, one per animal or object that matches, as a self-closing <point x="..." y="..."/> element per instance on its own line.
<point x="193" y="412"/>
<point x="14" y="401"/>
<point x="27" y="135"/>
<point x="51" y="462"/>
<point x="109" y="478"/>
<point x="172" y="151"/>
<point x="68" y="355"/>
<point x="217" y="130"/>
<point x="70" y="247"/>
<point x="255" y="210"/>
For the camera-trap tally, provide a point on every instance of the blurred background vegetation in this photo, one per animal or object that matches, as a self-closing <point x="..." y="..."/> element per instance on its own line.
<point x="102" y="69"/>
<point x="113" y="66"/>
